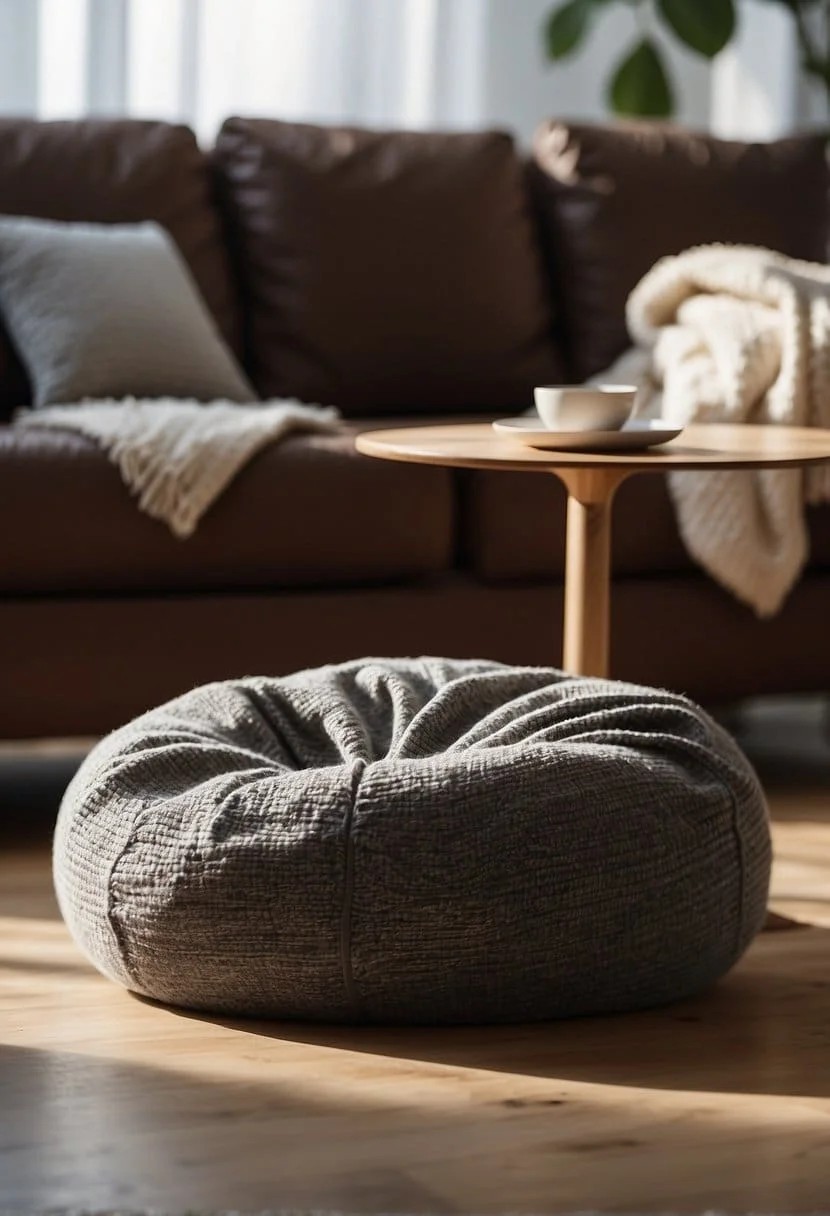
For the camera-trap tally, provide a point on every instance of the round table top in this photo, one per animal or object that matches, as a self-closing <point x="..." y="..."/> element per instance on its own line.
<point x="700" y="446"/>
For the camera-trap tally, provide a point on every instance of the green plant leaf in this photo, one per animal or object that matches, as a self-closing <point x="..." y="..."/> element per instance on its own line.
<point x="566" y="28"/>
<point x="640" y="87"/>
<point x="704" y="25"/>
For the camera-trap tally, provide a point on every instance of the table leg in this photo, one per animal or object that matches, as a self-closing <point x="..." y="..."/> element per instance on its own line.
<point x="591" y="492"/>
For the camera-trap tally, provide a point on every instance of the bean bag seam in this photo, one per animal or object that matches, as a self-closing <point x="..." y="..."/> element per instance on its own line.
<point x="349" y="984"/>
<point x="740" y="849"/>
<point x="739" y="841"/>
<point x="112" y="898"/>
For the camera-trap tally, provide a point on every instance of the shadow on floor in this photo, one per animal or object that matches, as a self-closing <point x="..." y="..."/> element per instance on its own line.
<point x="80" y="1130"/>
<point x="764" y="1029"/>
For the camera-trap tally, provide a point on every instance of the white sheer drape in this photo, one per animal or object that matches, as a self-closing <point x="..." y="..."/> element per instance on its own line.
<point x="756" y="87"/>
<point x="759" y="90"/>
<point x="416" y="63"/>
<point x="398" y="62"/>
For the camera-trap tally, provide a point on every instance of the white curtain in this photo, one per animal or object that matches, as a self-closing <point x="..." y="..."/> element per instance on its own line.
<point x="410" y="63"/>
<point x="758" y="88"/>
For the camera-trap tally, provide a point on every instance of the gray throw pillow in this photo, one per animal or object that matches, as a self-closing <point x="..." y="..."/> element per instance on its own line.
<point x="109" y="310"/>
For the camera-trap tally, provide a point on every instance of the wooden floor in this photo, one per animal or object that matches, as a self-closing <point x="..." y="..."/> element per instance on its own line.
<point x="721" y="1102"/>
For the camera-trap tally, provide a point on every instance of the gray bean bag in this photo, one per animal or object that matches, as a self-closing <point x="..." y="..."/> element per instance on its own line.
<point x="415" y="841"/>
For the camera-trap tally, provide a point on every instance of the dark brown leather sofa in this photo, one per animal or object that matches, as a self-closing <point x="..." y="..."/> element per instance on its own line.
<point x="403" y="276"/>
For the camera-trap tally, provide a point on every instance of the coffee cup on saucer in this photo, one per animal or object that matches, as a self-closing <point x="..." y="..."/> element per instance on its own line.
<point x="584" y="407"/>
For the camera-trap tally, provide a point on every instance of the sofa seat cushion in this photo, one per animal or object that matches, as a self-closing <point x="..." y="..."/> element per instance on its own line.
<point x="308" y="511"/>
<point x="116" y="171"/>
<point x="513" y="527"/>
<point x="415" y="841"/>
<point x="387" y="271"/>
<point x="614" y="199"/>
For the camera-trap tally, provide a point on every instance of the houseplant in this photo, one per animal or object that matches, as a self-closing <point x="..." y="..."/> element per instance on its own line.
<point x="640" y="84"/>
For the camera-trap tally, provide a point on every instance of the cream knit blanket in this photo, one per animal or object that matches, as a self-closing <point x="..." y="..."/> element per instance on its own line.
<point x="736" y="334"/>
<point x="177" y="456"/>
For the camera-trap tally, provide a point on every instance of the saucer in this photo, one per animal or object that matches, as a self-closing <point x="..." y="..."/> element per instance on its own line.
<point x="633" y="436"/>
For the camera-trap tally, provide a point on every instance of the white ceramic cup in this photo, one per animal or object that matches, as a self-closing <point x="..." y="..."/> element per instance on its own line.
<point x="584" y="407"/>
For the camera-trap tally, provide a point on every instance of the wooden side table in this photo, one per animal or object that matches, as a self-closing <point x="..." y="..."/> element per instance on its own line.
<point x="592" y="479"/>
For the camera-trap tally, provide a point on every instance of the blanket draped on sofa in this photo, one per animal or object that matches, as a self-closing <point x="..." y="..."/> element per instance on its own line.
<point x="736" y="334"/>
<point x="178" y="456"/>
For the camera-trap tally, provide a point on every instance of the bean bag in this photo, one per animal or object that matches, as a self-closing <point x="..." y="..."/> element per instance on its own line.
<point x="415" y="841"/>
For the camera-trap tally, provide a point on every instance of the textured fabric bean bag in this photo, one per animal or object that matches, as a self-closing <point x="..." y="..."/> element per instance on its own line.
<point x="416" y="841"/>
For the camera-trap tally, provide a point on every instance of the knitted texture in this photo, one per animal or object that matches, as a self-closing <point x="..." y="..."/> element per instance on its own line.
<point x="175" y="456"/>
<point x="737" y="334"/>
<point x="415" y="841"/>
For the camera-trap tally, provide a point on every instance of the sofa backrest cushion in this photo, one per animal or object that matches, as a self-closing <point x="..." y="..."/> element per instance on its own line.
<point x="120" y="171"/>
<point x="387" y="271"/>
<point x="612" y="200"/>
